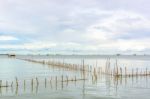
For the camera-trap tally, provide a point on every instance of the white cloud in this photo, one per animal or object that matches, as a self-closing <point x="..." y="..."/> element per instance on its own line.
<point x="118" y="23"/>
<point x="38" y="45"/>
<point x="106" y="32"/>
<point x="7" y="38"/>
<point x="134" y="45"/>
<point x="29" y="46"/>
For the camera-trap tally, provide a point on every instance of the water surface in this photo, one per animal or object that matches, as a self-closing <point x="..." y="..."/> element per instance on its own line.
<point x="105" y="87"/>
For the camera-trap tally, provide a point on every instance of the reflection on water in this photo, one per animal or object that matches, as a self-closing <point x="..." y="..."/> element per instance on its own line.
<point x="21" y="79"/>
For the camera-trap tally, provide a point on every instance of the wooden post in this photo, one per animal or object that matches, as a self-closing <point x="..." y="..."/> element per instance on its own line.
<point x="83" y="65"/>
<point x="17" y="82"/>
<point x="116" y="67"/>
<point x="62" y="81"/>
<point x="0" y="83"/>
<point x="67" y="80"/>
<point x="37" y="82"/>
<point x="132" y="72"/>
<point x="75" y="78"/>
<point x="56" y="82"/>
<point x="45" y="82"/>
<point x="24" y="85"/>
<point x="12" y="84"/>
<point x="125" y="71"/>
<point x="120" y="71"/>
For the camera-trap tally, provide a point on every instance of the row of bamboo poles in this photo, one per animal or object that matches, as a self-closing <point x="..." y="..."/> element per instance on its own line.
<point x="118" y="71"/>
<point x="36" y="82"/>
<point x="60" y="82"/>
<point x="84" y="69"/>
<point x="115" y="71"/>
<point x="70" y="66"/>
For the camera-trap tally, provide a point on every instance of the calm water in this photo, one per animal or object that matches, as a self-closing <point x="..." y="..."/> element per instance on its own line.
<point x="105" y="87"/>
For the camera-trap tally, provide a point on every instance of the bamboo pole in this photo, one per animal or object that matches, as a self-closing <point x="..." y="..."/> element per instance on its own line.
<point x="17" y="82"/>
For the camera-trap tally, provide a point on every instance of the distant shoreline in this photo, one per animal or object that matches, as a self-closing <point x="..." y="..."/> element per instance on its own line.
<point x="74" y="55"/>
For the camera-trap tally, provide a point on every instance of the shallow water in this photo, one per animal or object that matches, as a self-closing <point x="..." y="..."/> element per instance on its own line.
<point x="105" y="87"/>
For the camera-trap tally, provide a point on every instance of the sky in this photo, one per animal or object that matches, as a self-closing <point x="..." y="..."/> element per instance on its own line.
<point x="75" y="26"/>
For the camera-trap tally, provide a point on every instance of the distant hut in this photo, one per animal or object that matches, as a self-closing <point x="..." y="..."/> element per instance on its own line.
<point x="118" y="54"/>
<point x="11" y="55"/>
<point x="134" y="55"/>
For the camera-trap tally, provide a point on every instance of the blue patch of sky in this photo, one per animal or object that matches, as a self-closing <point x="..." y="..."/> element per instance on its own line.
<point x="20" y="39"/>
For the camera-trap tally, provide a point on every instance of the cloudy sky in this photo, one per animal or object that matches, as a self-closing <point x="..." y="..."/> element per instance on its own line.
<point x="75" y="26"/>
